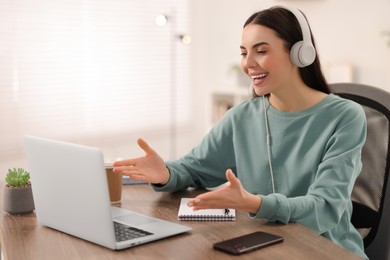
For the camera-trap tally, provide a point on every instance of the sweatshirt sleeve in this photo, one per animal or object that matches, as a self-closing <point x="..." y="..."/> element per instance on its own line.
<point x="328" y="197"/>
<point x="206" y="164"/>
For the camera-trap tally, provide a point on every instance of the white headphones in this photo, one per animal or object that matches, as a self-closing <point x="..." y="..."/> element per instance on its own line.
<point x="302" y="52"/>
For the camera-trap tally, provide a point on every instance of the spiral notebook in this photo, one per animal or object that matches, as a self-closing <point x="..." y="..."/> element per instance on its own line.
<point x="186" y="213"/>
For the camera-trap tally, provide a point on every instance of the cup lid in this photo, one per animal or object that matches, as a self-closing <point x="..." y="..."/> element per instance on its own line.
<point x="109" y="161"/>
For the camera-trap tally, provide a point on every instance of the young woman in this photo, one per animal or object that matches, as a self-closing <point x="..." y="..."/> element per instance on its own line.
<point x="290" y="154"/>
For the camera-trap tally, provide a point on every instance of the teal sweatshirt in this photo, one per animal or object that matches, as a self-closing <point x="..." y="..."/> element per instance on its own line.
<point x="315" y="156"/>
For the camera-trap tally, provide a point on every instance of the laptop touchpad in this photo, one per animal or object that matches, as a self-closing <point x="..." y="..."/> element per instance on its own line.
<point x="135" y="219"/>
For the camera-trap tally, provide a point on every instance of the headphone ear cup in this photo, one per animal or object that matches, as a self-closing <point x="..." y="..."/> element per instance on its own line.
<point x="302" y="55"/>
<point x="294" y="54"/>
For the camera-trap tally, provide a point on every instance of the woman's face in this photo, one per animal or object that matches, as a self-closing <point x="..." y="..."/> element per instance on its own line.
<point x="265" y="60"/>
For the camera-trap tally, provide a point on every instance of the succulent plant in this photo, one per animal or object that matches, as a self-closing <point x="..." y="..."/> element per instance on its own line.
<point x="17" y="178"/>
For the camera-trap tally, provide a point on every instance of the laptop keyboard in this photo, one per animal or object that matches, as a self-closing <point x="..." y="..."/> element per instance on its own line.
<point x="124" y="232"/>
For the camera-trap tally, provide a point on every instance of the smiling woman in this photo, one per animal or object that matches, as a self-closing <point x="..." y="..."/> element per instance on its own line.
<point x="86" y="69"/>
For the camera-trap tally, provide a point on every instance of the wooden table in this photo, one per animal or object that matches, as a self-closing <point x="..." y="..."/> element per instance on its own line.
<point x="21" y="237"/>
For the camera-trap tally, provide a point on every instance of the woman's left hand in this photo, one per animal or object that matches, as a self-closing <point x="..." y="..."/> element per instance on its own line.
<point x="233" y="195"/>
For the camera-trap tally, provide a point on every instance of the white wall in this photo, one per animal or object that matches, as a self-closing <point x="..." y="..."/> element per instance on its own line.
<point x="346" y="31"/>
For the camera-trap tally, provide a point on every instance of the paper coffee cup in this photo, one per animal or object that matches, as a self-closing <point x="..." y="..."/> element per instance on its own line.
<point x="114" y="181"/>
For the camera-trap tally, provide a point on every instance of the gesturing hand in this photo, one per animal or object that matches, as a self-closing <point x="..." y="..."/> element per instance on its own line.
<point x="149" y="168"/>
<point x="232" y="195"/>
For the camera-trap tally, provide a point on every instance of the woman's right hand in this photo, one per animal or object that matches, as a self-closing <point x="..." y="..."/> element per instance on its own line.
<point x="149" y="168"/>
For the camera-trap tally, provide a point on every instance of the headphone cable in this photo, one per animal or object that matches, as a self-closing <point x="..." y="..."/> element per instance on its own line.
<point x="268" y="145"/>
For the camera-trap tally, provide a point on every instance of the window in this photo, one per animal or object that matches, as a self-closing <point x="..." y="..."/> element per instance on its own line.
<point x="74" y="69"/>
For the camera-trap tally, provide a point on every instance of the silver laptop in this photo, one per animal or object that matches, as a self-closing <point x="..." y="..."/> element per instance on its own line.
<point x="71" y="195"/>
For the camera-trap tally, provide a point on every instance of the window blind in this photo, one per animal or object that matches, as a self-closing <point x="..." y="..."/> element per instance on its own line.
<point x="82" y="68"/>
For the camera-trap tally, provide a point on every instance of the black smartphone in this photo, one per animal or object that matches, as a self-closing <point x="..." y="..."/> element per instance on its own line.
<point x="247" y="243"/>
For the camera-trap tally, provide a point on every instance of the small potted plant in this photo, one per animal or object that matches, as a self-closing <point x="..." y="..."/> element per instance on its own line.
<point x="18" y="197"/>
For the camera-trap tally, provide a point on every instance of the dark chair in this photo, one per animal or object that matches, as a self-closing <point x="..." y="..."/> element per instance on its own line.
<point x="371" y="196"/>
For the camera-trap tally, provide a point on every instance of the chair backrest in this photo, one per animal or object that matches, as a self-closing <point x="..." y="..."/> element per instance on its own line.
<point x="371" y="195"/>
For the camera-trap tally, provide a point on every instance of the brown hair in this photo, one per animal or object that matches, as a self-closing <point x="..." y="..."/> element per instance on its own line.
<point x="287" y="27"/>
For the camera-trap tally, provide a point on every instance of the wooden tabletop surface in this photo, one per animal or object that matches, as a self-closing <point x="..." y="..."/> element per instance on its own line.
<point x="22" y="237"/>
